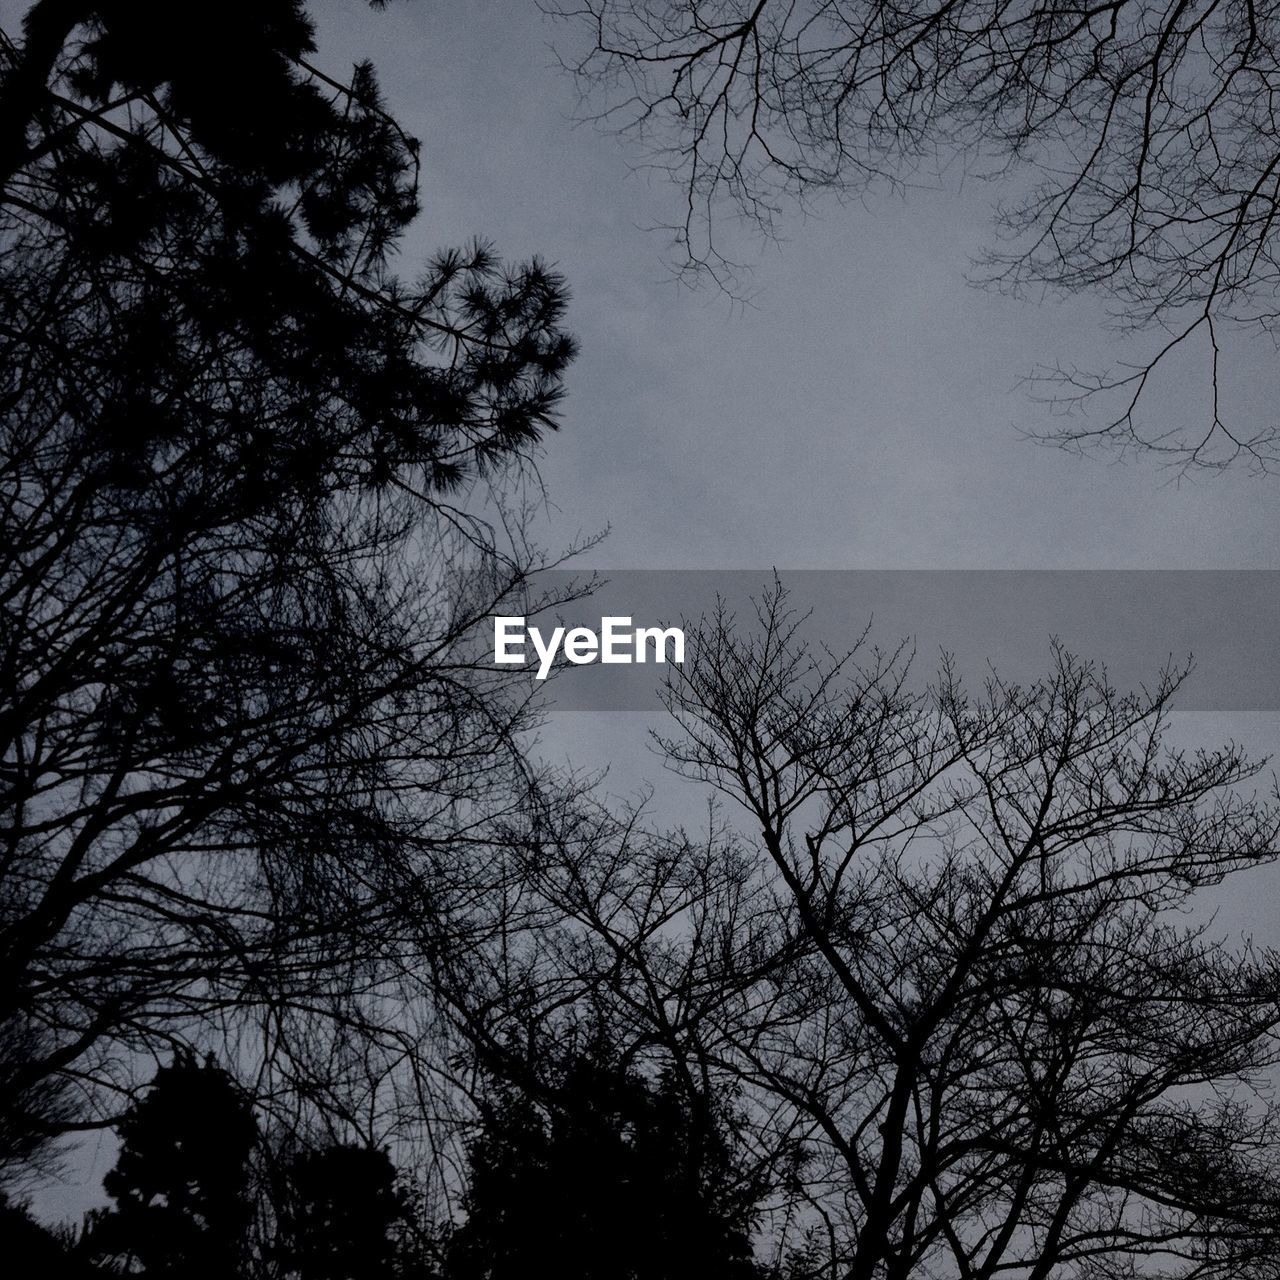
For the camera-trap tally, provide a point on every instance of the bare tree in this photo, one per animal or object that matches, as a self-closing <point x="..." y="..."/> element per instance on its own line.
<point x="1147" y="132"/>
<point x="952" y="964"/>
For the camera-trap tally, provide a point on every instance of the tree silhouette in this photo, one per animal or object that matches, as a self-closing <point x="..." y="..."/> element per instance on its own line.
<point x="1144" y="128"/>
<point x="606" y="1175"/>
<point x="256" y="493"/>
<point x="42" y="1251"/>
<point x="341" y="1208"/>
<point x="31" y="1118"/>
<point x="181" y="1182"/>
<point x="952" y="958"/>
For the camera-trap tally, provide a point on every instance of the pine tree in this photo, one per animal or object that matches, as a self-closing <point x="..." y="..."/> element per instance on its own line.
<point x="611" y="1177"/>
<point x="240" y="703"/>
<point x="340" y="1211"/>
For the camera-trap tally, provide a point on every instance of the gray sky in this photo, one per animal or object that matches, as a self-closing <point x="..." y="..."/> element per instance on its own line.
<point x="861" y="413"/>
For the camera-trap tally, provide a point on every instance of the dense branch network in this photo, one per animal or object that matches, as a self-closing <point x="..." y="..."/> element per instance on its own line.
<point x="942" y="960"/>
<point x="256" y="495"/>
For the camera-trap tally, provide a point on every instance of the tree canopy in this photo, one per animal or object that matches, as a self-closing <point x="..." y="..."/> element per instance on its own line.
<point x="181" y="1184"/>
<point x="256" y="490"/>
<point x="338" y="1213"/>
<point x="604" y="1175"/>
<point x="947" y="949"/>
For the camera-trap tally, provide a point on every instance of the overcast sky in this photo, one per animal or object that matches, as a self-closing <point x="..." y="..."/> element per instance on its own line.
<point x="861" y="412"/>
